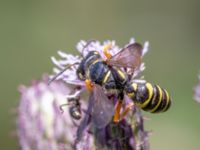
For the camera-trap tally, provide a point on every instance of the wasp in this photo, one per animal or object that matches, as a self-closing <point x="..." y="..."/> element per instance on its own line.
<point x="110" y="74"/>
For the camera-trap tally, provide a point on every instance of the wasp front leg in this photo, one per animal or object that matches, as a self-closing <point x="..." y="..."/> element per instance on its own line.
<point x="89" y="85"/>
<point x="106" y="50"/>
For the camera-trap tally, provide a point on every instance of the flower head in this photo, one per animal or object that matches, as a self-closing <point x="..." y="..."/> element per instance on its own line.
<point x="40" y="123"/>
<point x="197" y="91"/>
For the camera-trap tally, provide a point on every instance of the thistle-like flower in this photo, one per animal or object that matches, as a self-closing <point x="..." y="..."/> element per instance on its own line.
<point x="40" y="123"/>
<point x="129" y="133"/>
<point x="197" y="91"/>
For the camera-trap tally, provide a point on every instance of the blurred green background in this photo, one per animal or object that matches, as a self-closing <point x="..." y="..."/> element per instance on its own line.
<point x="32" y="31"/>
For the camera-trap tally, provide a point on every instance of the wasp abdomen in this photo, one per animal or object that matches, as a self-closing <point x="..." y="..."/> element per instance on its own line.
<point x="149" y="97"/>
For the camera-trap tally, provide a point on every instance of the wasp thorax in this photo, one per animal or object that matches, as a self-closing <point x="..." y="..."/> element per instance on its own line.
<point x="97" y="72"/>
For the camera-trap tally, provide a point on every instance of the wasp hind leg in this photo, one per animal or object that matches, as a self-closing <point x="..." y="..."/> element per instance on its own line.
<point x="117" y="112"/>
<point x="118" y="116"/>
<point x="126" y="110"/>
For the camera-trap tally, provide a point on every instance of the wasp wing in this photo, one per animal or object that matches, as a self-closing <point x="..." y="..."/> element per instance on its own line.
<point x="103" y="108"/>
<point x="128" y="57"/>
<point x="86" y="120"/>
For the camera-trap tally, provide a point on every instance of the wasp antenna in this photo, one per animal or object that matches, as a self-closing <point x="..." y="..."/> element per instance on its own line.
<point x="54" y="78"/>
<point x="61" y="72"/>
<point x="86" y="45"/>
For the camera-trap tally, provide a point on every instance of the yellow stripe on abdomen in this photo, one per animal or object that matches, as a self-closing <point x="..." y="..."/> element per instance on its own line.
<point x="160" y="99"/>
<point x="150" y="94"/>
<point x="167" y="99"/>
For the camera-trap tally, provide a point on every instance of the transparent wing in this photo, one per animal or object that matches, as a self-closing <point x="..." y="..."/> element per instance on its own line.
<point x="100" y="111"/>
<point x="103" y="108"/>
<point x="86" y="120"/>
<point x="128" y="57"/>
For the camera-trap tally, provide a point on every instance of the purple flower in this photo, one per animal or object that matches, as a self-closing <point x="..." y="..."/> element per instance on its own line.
<point x="197" y="91"/>
<point x="40" y="123"/>
<point x="129" y="133"/>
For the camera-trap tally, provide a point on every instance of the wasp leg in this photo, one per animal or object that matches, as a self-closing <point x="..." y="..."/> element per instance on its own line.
<point x="106" y="52"/>
<point x="117" y="112"/>
<point x="116" y="118"/>
<point x="88" y="84"/>
<point x="127" y="109"/>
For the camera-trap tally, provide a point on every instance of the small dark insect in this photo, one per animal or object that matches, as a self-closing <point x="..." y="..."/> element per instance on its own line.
<point x="74" y="107"/>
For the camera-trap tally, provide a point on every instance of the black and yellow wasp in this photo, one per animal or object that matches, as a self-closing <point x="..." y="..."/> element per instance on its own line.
<point x="102" y="76"/>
